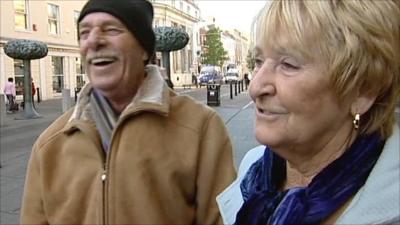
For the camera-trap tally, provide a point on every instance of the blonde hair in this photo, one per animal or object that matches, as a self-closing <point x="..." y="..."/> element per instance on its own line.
<point x="359" y="41"/>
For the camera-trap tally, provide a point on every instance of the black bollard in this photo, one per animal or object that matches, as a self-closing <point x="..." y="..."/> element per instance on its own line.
<point x="38" y="95"/>
<point x="230" y="88"/>
<point x="238" y="85"/>
<point x="235" y="88"/>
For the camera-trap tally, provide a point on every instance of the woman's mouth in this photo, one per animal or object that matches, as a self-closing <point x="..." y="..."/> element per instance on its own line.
<point x="268" y="112"/>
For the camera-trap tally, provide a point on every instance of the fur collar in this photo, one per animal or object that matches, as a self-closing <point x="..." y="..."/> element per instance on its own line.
<point x="153" y="95"/>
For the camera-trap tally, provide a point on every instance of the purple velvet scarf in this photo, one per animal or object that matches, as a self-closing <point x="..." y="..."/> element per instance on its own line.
<point x="265" y="204"/>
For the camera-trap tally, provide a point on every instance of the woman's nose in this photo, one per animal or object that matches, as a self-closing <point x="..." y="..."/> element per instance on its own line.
<point x="263" y="82"/>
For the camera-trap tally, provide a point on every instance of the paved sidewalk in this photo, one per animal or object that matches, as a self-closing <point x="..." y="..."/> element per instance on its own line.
<point x="16" y="139"/>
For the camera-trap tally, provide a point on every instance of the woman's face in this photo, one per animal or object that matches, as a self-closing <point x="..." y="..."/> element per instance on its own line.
<point x="296" y="110"/>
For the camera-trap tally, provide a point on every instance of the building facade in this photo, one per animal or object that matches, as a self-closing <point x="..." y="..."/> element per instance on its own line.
<point x="54" y="23"/>
<point x="241" y="49"/>
<point x="183" y="14"/>
<point x="235" y="43"/>
<point x="229" y="43"/>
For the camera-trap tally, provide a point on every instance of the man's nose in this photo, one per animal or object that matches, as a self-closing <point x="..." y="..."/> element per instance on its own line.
<point x="95" y="38"/>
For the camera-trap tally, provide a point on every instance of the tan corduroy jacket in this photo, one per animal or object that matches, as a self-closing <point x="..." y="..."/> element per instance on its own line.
<point x="169" y="158"/>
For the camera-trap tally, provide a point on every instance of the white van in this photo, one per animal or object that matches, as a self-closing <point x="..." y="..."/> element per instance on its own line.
<point x="232" y="76"/>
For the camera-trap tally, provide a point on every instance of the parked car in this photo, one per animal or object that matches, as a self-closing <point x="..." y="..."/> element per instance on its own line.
<point x="210" y="79"/>
<point x="210" y="75"/>
<point x="232" y="76"/>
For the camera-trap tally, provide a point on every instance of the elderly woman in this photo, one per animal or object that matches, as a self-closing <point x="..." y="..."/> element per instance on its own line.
<point x="325" y="88"/>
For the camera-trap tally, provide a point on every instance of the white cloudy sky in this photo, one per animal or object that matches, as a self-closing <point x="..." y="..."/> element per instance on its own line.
<point x="230" y="14"/>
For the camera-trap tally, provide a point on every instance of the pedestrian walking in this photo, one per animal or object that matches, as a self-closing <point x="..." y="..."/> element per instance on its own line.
<point x="33" y="92"/>
<point x="131" y="151"/>
<point x="194" y="80"/>
<point x="325" y="87"/>
<point x="9" y="91"/>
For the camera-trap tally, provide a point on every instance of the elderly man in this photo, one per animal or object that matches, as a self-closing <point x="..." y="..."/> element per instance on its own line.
<point x="131" y="151"/>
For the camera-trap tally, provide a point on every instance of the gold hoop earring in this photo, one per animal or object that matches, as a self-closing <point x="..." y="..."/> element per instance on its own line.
<point x="356" y="121"/>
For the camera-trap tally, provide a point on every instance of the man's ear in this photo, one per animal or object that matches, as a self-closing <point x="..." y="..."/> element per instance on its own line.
<point x="145" y="56"/>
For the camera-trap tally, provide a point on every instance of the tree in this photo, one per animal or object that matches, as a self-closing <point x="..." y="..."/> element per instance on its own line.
<point x="250" y="60"/>
<point x="215" y="53"/>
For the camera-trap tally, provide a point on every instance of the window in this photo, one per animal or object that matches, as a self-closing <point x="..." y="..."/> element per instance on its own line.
<point x="181" y="6"/>
<point x="79" y="73"/>
<point x="184" y="65"/>
<point x="19" y="76"/>
<point x="53" y="15"/>
<point x="21" y="14"/>
<point x="190" y="59"/>
<point x="188" y="9"/>
<point x="190" y="32"/>
<point x="58" y="73"/>
<point x="76" y="17"/>
<point x="177" y="57"/>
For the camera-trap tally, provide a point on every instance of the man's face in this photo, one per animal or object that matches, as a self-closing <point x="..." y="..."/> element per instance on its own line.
<point x="112" y="55"/>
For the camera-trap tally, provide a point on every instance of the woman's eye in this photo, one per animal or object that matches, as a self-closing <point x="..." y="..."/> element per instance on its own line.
<point x="289" y="66"/>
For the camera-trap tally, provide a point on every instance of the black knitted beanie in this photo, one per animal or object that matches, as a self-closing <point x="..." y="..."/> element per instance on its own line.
<point x="136" y="15"/>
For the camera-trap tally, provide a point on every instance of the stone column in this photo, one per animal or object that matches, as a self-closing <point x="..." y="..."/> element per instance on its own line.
<point x="29" y="110"/>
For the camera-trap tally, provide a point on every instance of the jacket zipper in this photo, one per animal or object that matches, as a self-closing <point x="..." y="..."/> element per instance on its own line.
<point x="103" y="180"/>
<point x="103" y="176"/>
